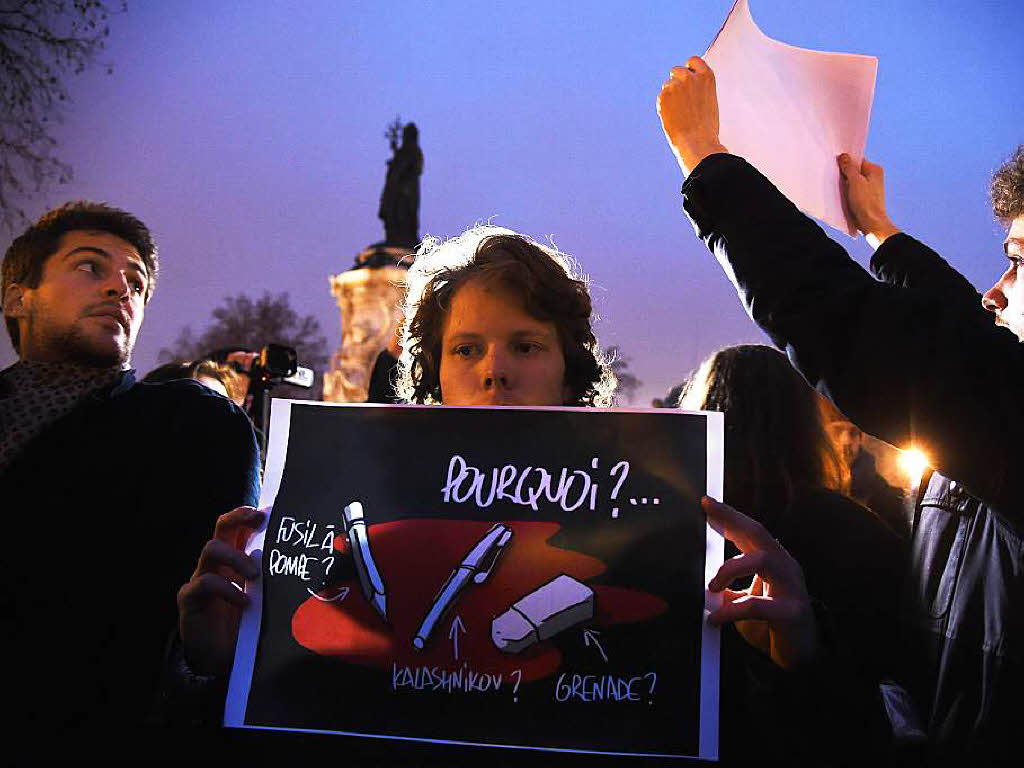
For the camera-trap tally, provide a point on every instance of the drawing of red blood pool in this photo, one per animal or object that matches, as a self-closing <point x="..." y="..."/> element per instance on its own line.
<point x="415" y="557"/>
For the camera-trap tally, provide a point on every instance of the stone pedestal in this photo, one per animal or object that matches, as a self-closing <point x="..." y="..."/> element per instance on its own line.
<point x="369" y="298"/>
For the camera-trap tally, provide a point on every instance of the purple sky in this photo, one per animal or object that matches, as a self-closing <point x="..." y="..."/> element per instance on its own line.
<point x="249" y="136"/>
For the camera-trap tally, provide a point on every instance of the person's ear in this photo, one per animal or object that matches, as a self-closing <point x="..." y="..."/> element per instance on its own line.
<point x="14" y="301"/>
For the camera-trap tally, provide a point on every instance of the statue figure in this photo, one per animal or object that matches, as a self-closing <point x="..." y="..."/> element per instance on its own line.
<point x="400" y="200"/>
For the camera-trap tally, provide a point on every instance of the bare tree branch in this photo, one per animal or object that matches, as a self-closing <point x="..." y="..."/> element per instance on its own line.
<point x="42" y="44"/>
<point x="241" y="322"/>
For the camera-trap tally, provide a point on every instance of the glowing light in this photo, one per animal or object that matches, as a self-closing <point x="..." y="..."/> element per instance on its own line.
<point x="913" y="463"/>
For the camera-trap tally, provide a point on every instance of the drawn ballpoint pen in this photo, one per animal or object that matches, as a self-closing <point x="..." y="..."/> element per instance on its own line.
<point x="475" y="567"/>
<point x="369" y="576"/>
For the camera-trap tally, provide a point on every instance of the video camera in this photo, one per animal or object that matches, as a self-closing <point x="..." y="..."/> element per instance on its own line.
<point x="279" y="364"/>
<point x="274" y="364"/>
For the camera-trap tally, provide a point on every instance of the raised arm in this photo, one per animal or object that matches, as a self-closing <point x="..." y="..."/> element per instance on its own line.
<point x="905" y="361"/>
<point x="864" y="194"/>
<point x="688" y="108"/>
<point x="899" y="259"/>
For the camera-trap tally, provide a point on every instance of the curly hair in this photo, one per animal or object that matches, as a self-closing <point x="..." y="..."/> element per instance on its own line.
<point x="25" y="259"/>
<point x="545" y="280"/>
<point x="1007" y="188"/>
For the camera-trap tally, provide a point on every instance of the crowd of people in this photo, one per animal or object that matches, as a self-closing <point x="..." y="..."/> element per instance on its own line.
<point x="857" y="626"/>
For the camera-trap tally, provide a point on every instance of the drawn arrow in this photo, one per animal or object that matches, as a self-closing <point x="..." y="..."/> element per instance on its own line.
<point x="341" y="595"/>
<point x="590" y="636"/>
<point x="453" y="634"/>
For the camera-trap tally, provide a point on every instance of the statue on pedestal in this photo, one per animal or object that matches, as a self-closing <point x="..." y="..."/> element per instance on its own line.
<point x="400" y="200"/>
<point x="369" y="294"/>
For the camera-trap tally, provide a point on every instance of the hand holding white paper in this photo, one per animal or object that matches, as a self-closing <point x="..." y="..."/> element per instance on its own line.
<point x="791" y="111"/>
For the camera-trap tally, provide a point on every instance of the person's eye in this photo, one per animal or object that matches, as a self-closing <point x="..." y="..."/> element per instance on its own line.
<point x="88" y="266"/>
<point x="528" y="347"/>
<point x="138" y="287"/>
<point x="463" y="350"/>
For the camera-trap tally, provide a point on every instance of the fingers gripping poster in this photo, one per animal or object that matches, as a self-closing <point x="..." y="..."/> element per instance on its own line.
<point x="495" y="576"/>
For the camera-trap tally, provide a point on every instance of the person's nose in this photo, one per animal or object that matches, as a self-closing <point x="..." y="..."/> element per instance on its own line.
<point x="994" y="300"/>
<point x="117" y="286"/>
<point x="496" y="371"/>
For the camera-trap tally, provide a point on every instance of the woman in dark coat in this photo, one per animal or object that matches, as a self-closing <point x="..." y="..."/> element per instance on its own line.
<point x="782" y="470"/>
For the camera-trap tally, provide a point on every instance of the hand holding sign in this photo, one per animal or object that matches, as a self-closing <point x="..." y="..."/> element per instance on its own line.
<point x="774" y="613"/>
<point x="864" y="191"/>
<point x="688" y="108"/>
<point x="788" y="111"/>
<point x="209" y="604"/>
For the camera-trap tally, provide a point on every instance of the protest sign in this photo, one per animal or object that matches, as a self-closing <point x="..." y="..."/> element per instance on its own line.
<point x="791" y="111"/>
<point x="499" y="576"/>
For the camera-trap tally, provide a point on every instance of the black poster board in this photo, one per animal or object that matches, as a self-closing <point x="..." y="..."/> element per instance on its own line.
<point x="497" y="576"/>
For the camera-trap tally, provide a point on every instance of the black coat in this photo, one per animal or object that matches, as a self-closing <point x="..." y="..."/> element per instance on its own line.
<point x="831" y="713"/>
<point x="105" y="514"/>
<point x="912" y="358"/>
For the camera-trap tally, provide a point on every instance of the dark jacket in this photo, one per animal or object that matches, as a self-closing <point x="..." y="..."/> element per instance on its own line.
<point x="912" y="358"/>
<point x="871" y="489"/>
<point x="830" y="714"/>
<point x="382" y="380"/>
<point x="104" y="516"/>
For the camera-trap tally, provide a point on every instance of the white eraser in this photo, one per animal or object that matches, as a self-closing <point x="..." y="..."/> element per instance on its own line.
<point x="511" y="632"/>
<point x="554" y="607"/>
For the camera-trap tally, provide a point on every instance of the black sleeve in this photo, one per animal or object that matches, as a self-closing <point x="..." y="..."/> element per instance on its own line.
<point x="216" y="467"/>
<point x="212" y="467"/>
<point x="823" y="713"/>
<point x="829" y="712"/>
<point x="904" y="262"/>
<point x="853" y="564"/>
<point x="911" y="360"/>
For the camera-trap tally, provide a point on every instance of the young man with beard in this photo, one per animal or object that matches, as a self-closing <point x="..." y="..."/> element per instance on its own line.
<point x="107" y="485"/>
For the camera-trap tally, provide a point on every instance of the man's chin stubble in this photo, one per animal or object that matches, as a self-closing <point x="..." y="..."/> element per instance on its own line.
<point x="74" y="347"/>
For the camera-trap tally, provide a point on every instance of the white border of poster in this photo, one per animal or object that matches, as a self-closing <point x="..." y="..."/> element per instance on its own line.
<point x="249" y="629"/>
